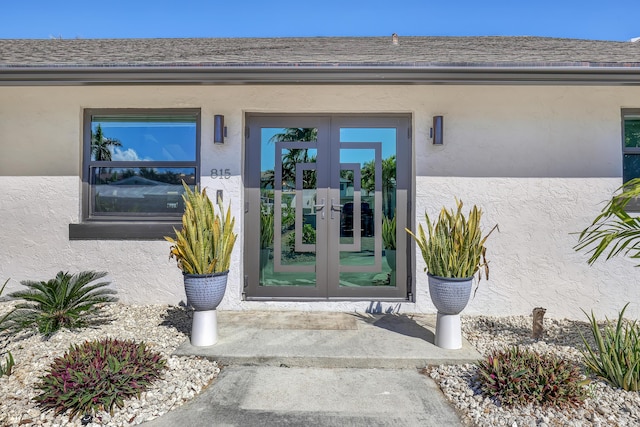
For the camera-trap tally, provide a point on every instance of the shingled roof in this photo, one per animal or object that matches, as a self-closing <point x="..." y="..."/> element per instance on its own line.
<point x="245" y="60"/>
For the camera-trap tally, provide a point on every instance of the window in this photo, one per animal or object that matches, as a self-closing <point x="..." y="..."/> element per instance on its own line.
<point x="134" y="165"/>
<point x="630" y="144"/>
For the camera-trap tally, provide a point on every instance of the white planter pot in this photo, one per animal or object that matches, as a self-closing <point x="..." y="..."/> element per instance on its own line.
<point x="450" y="296"/>
<point x="204" y="294"/>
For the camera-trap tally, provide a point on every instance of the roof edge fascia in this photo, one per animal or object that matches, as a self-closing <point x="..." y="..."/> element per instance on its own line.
<point x="229" y="75"/>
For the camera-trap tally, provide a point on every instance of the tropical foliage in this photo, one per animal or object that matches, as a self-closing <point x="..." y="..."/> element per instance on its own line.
<point x="308" y="237"/>
<point x="516" y="376"/>
<point x="388" y="180"/>
<point x="614" y="231"/>
<point x="5" y="369"/>
<point x="616" y="356"/>
<point x="454" y="245"/>
<point x="98" y="375"/>
<point x="266" y="229"/>
<point x="101" y="145"/>
<point x="292" y="156"/>
<point x="205" y="243"/>
<point x="67" y="301"/>
<point x="389" y="232"/>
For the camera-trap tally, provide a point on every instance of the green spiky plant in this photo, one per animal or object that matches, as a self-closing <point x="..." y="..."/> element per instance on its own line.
<point x="66" y="301"/>
<point x="614" y="231"/>
<point x="205" y="243"/>
<point x="389" y="232"/>
<point x="6" y="315"/>
<point x="6" y="368"/>
<point x="454" y="245"/>
<point x="616" y="356"/>
<point x="266" y="229"/>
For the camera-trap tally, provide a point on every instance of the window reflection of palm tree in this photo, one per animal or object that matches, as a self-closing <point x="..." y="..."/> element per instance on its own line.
<point x="294" y="156"/>
<point x="100" y="145"/>
<point x="388" y="181"/>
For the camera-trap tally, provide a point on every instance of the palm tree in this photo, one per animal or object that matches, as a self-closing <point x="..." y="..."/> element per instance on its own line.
<point x="297" y="155"/>
<point x="614" y="229"/>
<point x="388" y="180"/>
<point x="100" y="145"/>
<point x="296" y="134"/>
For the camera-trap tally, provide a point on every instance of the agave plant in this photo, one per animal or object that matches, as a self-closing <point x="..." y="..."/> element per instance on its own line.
<point x="67" y="301"/>
<point x="454" y="245"/>
<point x="389" y="232"/>
<point x="616" y="355"/>
<point x="205" y="243"/>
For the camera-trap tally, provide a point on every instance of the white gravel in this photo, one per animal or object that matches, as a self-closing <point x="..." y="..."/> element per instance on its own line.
<point x="163" y="328"/>
<point x="605" y="406"/>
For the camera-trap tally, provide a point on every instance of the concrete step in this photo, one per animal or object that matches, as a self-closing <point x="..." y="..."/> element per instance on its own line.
<point x="328" y="340"/>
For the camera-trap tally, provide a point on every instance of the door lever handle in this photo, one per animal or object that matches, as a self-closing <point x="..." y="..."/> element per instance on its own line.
<point x="335" y="208"/>
<point x="320" y="207"/>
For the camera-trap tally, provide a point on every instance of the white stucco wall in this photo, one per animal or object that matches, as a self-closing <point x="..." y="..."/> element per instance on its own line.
<point x="539" y="160"/>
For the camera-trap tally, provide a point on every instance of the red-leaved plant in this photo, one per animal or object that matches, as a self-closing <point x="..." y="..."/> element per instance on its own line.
<point x="98" y="375"/>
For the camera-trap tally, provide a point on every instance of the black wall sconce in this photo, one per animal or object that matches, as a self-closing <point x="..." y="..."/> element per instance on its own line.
<point x="219" y="129"/>
<point x="437" y="130"/>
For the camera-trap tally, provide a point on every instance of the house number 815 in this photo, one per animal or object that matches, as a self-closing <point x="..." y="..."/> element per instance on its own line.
<point x="220" y="173"/>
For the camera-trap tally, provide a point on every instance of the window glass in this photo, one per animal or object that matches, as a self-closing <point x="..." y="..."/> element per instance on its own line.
<point x="138" y="161"/>
<point x="632" y="132"/>
<point x="139" y="191"/>
<point x="143" y="138"/>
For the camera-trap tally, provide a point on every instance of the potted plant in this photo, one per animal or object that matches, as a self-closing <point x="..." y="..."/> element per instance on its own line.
<point x="389" y="240"/>
<point x="266" y="236"/>
<point x="453" y="250"/>
<point x="202" y="250"/>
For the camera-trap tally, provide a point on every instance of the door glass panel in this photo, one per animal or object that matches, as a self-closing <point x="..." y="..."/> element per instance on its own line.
<point x="367" y="194"/>
<point x="288" y="200"/>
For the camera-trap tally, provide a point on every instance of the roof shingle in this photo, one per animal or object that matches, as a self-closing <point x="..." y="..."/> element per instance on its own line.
<point x="319" y="52"/>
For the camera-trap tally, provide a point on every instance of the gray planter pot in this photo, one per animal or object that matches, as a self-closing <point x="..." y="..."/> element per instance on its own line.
<point x="449" y="295"/>
<point x="205" y="291"/>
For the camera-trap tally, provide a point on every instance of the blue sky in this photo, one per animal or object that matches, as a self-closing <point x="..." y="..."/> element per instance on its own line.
<point x="588" y="19"/>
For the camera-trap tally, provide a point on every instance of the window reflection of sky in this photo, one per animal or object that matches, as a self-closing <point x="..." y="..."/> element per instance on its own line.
<point x="387" y="136"/>
<point x="151" y="141"/>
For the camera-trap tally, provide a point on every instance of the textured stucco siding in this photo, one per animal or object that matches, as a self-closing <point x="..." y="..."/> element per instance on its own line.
<point x="539" y="160"/>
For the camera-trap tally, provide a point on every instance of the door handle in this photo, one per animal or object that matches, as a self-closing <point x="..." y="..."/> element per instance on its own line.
<point x="320" y="207"/>
<point x="335" y="208"/>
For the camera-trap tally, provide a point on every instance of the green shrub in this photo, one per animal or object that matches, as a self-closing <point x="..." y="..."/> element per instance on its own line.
<point x="98" y="375"/>
<point x="519" y="377"/>
<point x="67" y="301"/>
<point x="454" y="245"/>
<point x="9" y="362"/>
<point x="308" y="237"/>
<point x="389" y="232"/>
<point x="266" y="229"/>
<point x="8" y="365"/>
<point x="616" y="358"/>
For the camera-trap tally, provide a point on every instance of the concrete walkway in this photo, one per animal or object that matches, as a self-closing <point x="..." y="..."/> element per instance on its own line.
<point x="321" y="369"/>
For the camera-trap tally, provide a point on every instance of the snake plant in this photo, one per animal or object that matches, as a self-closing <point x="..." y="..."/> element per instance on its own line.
<point x="454" y="245"/>
<point x="266" y="229"/>
<point x="205" y="243"/>
<point x="389" y="232"/>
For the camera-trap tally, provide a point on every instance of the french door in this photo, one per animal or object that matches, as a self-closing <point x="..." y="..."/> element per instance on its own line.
<point x="319" y="190"/>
